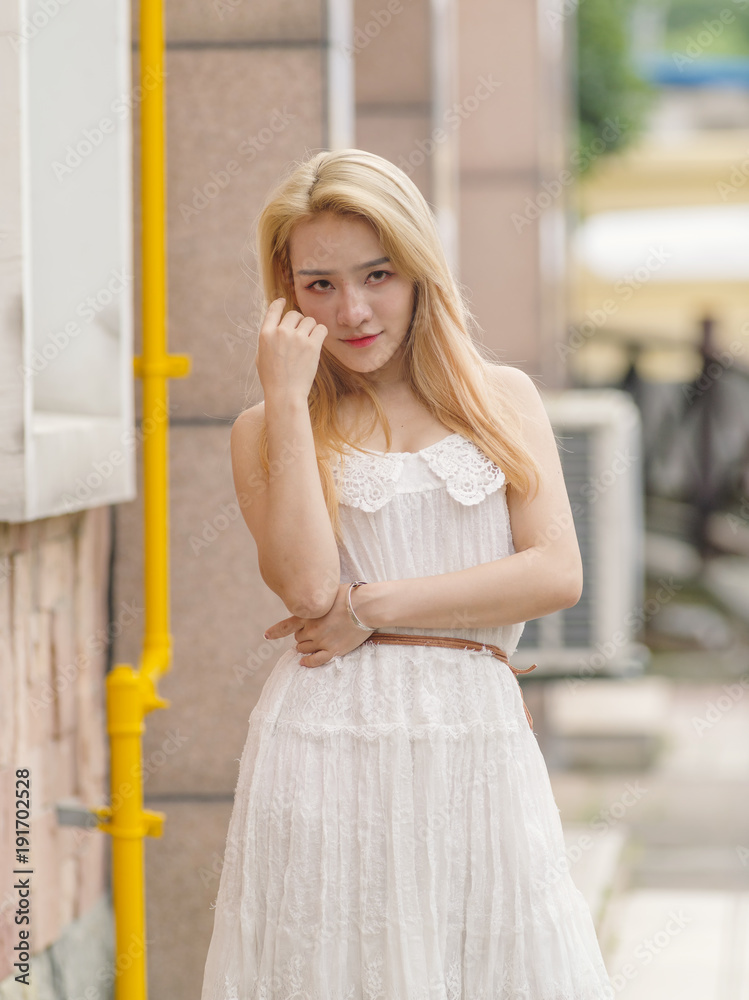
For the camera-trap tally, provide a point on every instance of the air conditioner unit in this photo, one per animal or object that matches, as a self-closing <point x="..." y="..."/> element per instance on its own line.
<point x="67" y="432"/>
<point x="599" y="437"/>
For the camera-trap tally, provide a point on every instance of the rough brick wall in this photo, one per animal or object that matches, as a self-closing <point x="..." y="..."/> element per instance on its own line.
<point x="53" y="649"/>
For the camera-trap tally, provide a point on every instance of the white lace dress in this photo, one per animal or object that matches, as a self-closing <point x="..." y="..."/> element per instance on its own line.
<point x="394" y="834"/>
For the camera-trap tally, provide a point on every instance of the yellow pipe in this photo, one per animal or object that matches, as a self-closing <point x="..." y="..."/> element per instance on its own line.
<point x="132" y="693"/>
<point x="155" y="366"/>
<point x="129" y="824"/>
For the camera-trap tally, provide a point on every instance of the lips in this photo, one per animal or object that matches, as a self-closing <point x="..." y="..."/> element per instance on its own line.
<point x="362" y="342"/>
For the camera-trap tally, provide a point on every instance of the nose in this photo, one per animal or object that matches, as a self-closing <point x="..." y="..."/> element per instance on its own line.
<point x="353" y="309"/>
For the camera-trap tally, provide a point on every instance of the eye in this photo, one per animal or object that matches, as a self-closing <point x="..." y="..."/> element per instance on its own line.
<point x="386" y="274"/>
<point x="319" y="281"/>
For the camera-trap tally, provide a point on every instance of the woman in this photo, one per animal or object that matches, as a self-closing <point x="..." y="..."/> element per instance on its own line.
<point x="394" y="833"/>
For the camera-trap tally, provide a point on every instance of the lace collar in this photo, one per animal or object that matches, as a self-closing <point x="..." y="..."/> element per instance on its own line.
<point x="369" y="479"/>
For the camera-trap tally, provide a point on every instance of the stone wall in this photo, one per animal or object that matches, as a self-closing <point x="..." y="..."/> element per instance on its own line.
<point x="54" y="637"/>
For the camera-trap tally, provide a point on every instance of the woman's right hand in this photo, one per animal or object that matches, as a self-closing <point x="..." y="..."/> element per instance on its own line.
<point x="288" y="351"/>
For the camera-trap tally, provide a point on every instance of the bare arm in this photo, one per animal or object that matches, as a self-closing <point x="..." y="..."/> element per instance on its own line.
<point x="285" y="510"/>
<point x="544" y="574"/>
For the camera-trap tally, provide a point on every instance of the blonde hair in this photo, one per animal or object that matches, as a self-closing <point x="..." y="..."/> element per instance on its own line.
<point x="441" y="363"/>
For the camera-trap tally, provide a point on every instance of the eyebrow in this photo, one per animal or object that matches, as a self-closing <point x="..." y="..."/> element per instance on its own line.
<point x="359" y="267"/>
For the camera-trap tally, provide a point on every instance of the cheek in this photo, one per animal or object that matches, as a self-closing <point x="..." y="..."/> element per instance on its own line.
<point x="316" y="309"/>
<point x="306" y="302"/>
<point x="404" y="304"/>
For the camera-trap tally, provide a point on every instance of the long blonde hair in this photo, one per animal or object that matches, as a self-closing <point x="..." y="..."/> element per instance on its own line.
<point x="441" y="363"/>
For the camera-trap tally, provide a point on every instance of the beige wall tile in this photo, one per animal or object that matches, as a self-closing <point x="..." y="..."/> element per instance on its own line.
<point x="391" y="48"/>
<point x="220" y="607"/>
<point x="497" y="41"/>
<point x="500" y="267"/>
<point x="400" y="138"/>
<point x="182" y="870"/>
<point x="236" y="119"/>
<point x="238" y="20"/>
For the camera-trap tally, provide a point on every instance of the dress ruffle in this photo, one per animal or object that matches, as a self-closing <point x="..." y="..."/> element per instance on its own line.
<point x="391" y="841"/>
<point x="394" y="833"/>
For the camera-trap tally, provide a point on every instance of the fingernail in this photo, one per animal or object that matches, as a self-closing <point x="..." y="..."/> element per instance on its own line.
<point x="265" y="635"/>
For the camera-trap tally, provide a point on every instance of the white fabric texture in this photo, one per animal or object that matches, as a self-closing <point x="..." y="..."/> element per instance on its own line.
<point x="394" y="834"/>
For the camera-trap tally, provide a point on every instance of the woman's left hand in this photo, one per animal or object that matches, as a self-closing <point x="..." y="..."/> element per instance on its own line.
<point x="320" y="639"/>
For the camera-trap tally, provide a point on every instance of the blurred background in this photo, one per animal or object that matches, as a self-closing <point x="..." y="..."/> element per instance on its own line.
<point x="588" y="165"/>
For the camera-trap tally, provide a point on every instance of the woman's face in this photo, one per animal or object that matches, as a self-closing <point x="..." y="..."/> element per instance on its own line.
<point x="343" y="278"/>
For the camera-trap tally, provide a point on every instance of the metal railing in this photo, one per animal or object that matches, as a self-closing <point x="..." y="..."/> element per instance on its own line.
<point x="696" y="433"/>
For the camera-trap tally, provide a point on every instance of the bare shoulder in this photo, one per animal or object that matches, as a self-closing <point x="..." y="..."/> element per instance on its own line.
<point x="524" y="396"/>
<point x="247" y="426"/>
<point x="245" y="441"/>
<point x="517" y="386"/>
<point x="252" y="416"/>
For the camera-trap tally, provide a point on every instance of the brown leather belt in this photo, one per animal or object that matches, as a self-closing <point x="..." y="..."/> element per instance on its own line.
<point x="451" y="642"/>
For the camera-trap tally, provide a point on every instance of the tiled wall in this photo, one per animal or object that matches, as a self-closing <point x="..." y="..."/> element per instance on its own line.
<point x="512" y="259"/>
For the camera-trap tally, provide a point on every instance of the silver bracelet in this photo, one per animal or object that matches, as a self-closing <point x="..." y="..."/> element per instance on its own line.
<point x="351" y="613"/>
